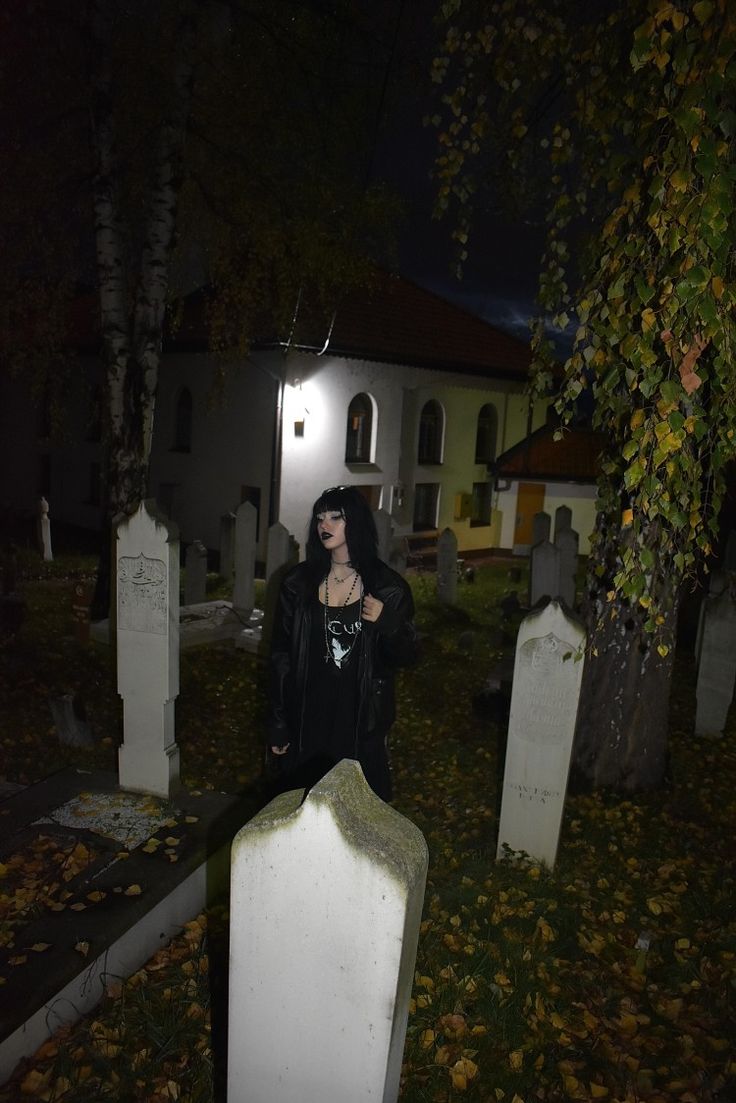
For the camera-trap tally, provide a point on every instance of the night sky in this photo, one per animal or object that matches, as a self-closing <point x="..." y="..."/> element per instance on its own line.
<point x="500" y="276"/>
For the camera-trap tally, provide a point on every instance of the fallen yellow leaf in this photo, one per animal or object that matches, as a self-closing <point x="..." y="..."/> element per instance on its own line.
<point x="133" y="890"/>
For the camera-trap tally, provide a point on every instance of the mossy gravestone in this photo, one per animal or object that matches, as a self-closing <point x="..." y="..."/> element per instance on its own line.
<point x="326" y="901"/>
<point x="548" y="669"/>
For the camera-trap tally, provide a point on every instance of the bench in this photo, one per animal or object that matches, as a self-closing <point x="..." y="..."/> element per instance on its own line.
<point x="420" y="549"/>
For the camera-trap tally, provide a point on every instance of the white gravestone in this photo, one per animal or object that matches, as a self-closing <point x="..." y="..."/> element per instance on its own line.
<point x="246" y="517"/>
<point x="227" y="546"/>
<point x="717" y="657"/>
<point x="447" y="567"/>
<point x="541" y="526"/>
<point x="384" y="528"/>
<point x="279" y="549"/>
<point x="44" y="530"/>
<point x="563" y="520"/>
<point x="567" y="542"/>
<point x="326" y="901"/>
<point x="548" y="669"/>
<point x="195" y="579"/>
<point x="147" y="555"/>
<point x="544" y="572"/>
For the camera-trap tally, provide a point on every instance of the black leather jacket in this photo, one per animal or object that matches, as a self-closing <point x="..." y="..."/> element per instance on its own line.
<point x="383" y="645"/>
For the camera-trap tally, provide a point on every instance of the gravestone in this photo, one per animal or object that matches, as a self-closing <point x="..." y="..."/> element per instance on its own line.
<point x="729" y="552"/>
<point x="541" y="524"/>
<point x="195" y="579"/>
<point x="44" y="530"/>
<point x="717" y="654"/>
<point x="82" y="597"/>
<point x="279" y="549"/>
<point x="326" y="902"/>
<point x="147" y="555"/>
<point x="246" y="519"/>
<point x="567" y="542"/>
<point x="70" y="721"/>
<point x="227" y="546"/>
<point x="447" y="567"/>
<point x="563" y="520"/>
<point x="397" y="554"/>
<point x="548" y="669"/>
<point x="544" y="572"/>
<point x="384" y="527"/>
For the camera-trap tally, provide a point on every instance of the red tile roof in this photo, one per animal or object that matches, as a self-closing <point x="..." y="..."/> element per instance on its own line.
<point x="575" y="458"/>
<point x="392" y="321"/>
<point x="396" y="321"/>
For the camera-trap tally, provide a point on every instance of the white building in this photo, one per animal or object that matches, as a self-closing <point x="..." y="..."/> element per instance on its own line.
<point x="398" y="392"/>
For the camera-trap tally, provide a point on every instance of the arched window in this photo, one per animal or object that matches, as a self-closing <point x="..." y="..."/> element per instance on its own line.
<point x="485" y="434"/>
<point x="183" y="422"/>
<point x="359" y="434"/>
<point x="431" y="425"/>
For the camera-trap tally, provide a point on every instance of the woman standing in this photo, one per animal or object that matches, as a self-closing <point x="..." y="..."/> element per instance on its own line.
<point x="343" y="624"/>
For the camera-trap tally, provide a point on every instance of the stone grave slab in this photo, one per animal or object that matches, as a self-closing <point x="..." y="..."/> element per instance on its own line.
<point x="123" y="899"/>
<point x="548" y="670"/>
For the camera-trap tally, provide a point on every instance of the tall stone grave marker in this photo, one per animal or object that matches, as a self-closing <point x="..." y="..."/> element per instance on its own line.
<point x="147" y="552"/>
<point x="326" y="901"/>
<point x="567" y="542"/>
<point x="717" y="653"/>
<point x="195" y="579"/>
<point x="541" y="525"/>
<point x="246" y="517"/>
<point x="548" y="669"/>
<point x="563" y="520"/>
<point x="279" y="549"/>
<point x="227" y="546"/>
<point x="447" y="567"/>
<point x="44" y="530"/>
<point x="544" y="572"/>
<point x="384" y="527"/>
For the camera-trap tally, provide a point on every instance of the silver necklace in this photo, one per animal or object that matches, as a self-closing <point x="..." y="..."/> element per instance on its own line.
<point x="359" y="626"/>
<point x="347" y="576"/>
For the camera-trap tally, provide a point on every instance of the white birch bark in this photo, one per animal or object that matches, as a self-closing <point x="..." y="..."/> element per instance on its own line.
<point x="132" y="342"/>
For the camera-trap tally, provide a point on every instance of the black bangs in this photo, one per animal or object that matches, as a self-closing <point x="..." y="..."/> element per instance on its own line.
<point x="331" y="499"/>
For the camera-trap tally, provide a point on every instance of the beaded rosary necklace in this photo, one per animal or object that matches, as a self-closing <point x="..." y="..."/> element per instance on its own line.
<point x="328" y="654"/>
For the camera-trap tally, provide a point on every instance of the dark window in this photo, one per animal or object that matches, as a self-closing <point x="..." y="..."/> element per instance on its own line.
<point x="485" y="435"/>
<point x="372" y="494"/>
<point x="359" y="430"/>
<point x="183" y="422"/>
<point x="430" y="433"/>
<point x="426" y="497"/>
<point x="481" y="514"/>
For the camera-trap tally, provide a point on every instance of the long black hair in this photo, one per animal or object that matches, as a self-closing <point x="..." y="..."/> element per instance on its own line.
<point x="360" y="531"/>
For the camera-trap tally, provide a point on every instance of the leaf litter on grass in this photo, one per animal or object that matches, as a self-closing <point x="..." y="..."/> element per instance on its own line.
<point x="613" y="978"/>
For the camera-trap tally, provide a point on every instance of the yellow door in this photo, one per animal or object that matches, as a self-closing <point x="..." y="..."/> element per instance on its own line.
<point x="530" y="500"/>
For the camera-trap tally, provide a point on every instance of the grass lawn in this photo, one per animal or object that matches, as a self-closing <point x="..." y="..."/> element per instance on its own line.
<point x="613" y="978"/>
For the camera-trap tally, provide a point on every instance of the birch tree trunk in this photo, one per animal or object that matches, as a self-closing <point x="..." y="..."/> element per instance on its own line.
<point x="132" y="337"/>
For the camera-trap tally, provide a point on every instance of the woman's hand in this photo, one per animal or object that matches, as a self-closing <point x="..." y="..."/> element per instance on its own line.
<point x="280" y="750"/>
<point x="372" y="608"/>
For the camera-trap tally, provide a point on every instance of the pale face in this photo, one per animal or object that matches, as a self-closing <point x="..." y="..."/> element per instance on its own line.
<point x="331" y="531"/>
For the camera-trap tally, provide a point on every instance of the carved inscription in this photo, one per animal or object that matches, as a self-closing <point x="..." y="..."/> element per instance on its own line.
<point x="548" y="703"/>
<point x="142" y="596"/>
<point x="534" y="794"/>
